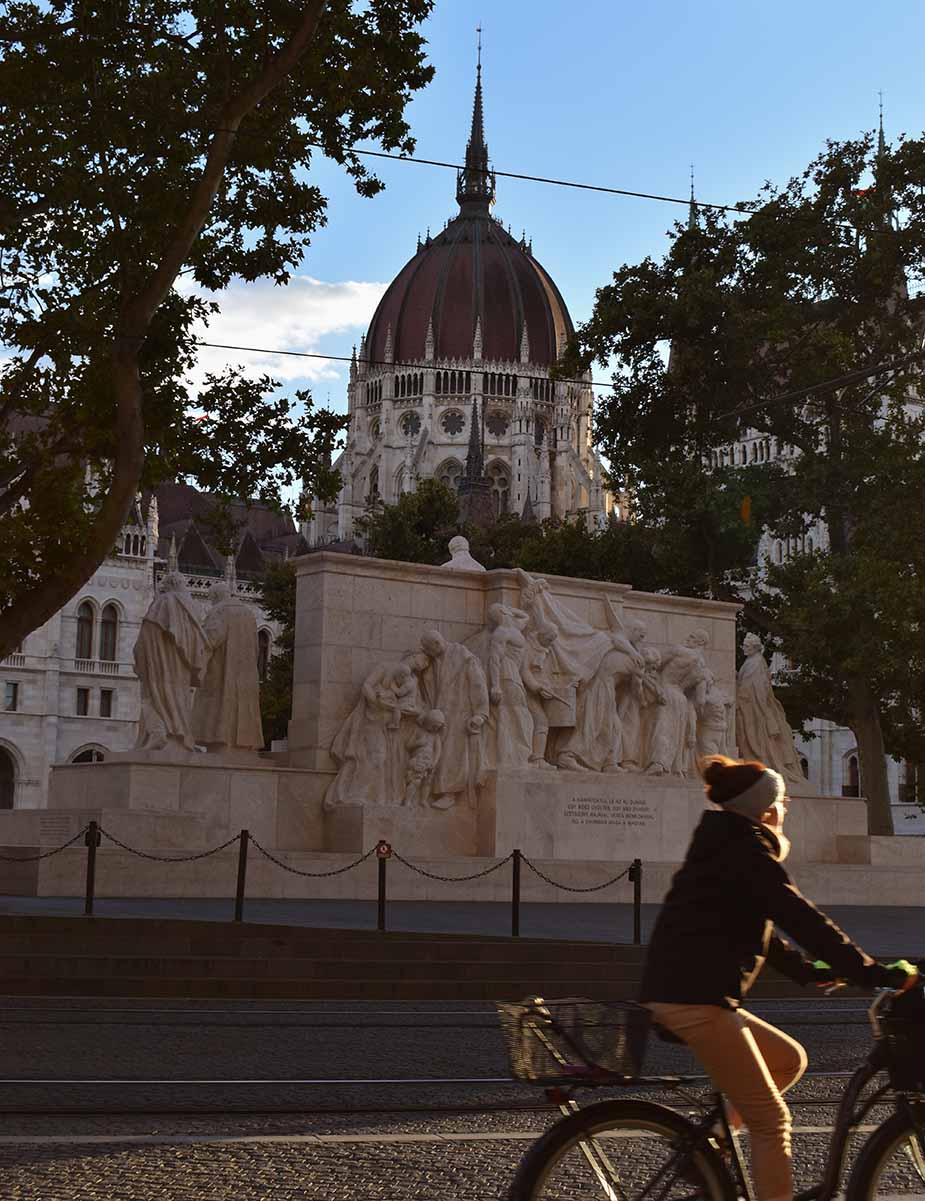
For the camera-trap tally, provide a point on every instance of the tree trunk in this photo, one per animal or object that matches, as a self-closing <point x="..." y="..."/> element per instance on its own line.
<point x="865" y="724"/>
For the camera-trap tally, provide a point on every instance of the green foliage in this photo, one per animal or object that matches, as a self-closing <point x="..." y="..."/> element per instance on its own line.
<point x="416" y="528"/>
<point x="277" y="595"/>
<point x="126" y="197"/>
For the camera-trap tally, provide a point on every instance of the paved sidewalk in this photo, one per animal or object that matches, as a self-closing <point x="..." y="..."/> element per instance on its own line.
<point x="879" y="929"/>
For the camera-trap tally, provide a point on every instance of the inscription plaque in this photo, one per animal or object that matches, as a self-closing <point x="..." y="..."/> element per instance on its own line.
<point x="622" y="813"/>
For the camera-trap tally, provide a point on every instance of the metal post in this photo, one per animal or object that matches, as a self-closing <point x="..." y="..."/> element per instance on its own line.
<point x="383" y="854"/>
<point x="515" y="894"/>
<point x="636" y="877"/>
<point x="92" y="839"/>
<point x="242" y="875"/>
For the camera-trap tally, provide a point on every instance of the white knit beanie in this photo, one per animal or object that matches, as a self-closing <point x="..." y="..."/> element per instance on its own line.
<point x="758" y="797"/>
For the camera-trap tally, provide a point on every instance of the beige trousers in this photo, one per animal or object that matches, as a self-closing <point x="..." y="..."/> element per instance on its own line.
<point x="752" y="1063"/>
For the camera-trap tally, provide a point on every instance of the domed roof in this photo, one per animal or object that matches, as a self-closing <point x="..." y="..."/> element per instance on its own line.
<point x="473" y="272"/>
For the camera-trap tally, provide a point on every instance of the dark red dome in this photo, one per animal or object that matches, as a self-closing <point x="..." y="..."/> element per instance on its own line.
<point x="472" y="269"/>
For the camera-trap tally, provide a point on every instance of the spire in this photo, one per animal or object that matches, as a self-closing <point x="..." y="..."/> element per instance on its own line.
<point x="429" y="341"/>
<point x="881" y="140"/>
<point x="692" y="215"/>
<point x="353" y="364"/>
<point x="524" y="345"/>
<point x="172" y="554"/>
<point x="389" y="352"/>
<point x="475" y="184"/>
<point x="475" y="459"/>
<point x="477" y="340"/>
<point x="528" y="514"/>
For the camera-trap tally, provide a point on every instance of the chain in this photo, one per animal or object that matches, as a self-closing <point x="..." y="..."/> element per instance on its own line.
<point x="452" y="879"/>
<point x="169" y="858"/>
<point x="337" y="871"/>
<point x="44" y="854"/>
<point x="569" y="887"/>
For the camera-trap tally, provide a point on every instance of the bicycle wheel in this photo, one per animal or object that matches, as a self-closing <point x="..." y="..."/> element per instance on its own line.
<point x="891" y="1163"/>
<point x="621" y="1151"/>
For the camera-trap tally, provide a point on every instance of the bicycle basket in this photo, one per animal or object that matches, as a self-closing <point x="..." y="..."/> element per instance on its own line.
<point x="552" y="1041"/>
<point x="904" y="1028"/>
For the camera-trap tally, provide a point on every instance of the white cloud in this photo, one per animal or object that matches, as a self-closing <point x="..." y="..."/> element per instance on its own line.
<point x="299" y="316"/>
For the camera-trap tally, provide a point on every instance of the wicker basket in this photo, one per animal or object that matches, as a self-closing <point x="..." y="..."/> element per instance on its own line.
<point x="549" y="1042"/>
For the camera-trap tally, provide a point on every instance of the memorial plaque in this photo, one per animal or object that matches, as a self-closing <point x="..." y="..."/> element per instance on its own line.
<point x="617" y="813"/>
<point x="56" y="828"/>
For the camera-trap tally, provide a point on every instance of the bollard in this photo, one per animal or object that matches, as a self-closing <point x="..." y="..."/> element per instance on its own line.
<point x="515" y="893"/>
<point x="635" y="874"/>
<point x="242" y="876"/>
<point x="92" y="839"/>
<point x="383" y="854"/>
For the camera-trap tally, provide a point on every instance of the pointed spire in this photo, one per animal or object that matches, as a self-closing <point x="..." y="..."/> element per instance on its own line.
<point x="429" y="341"/>
<point x="693" y="217"/>
<point x="881" y="140"/>
<point x="475" y="184"/>
<point x="475" y="458"/>
<point x="172" y="554"/>
<point x="231" y="575"/>
<point x="524" y="345"/>
<point x="389" y="352"/>
<point x="528" y="513"/>
<point x="353" y="364"/>
<point x="477" y="340"/>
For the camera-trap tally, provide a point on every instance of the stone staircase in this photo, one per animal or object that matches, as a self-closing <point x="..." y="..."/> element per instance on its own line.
<point x="154" y="957"/>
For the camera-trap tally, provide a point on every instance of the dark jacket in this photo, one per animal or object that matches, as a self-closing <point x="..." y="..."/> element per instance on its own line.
<point x="716" y="927"/>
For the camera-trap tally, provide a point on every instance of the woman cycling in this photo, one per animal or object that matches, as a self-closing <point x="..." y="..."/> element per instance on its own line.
<point x="711" y="939"/>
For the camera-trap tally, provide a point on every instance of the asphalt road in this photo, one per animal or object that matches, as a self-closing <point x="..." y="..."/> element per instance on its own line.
<point x="131" y="1101"/>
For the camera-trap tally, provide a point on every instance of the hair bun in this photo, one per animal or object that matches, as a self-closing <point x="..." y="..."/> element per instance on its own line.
<point x="726" y="778"/>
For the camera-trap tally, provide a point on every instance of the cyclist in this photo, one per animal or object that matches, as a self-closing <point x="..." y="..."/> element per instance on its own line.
<point x="711" y="939"/>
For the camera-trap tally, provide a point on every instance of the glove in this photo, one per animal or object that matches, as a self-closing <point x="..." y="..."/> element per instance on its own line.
<point x="903" y="975"/>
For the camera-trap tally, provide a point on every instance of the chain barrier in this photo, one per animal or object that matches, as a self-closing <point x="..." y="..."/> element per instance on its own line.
<point x="452" y="879"/>
<point x="337" y="871"/>
<point x="169" y="858"/>
<point x="570" y="887"/>
<point x="45" y="854"/>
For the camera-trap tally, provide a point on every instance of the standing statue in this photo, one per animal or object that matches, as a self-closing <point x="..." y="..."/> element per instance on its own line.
<point x="512" y="720"/>
<point x="226" y="711"/>
<point x="761" y="724"/>
<point x="423" y="754"/>
<point x="169" y="656"/>
<point x="683" y="679"/>
<point x="461" y="559"/>
<point x="455" y="684"/>
<point x="713" y="733"/>
<point x="541" y="690"/>
<point x="368" y="746"/>
<point x="636" y="697"/>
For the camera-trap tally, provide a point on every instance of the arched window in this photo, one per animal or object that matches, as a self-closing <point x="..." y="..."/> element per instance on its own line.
<point x="778" y="552"/>
<point x="410" y="425"/>
<point x="91" y="754"/>
<point x="84" y="631"/>
<point x="7" y="779"/>
<point x="809" y="545"/>
<point x="500" y="487"/>
<point x="372" y="492"/>
<point x="109" y="634"/>
<point x="263" y="652"/>
<point x="804" y="766"/>
<point x="450" y="473"/>
<point x="851" y="780"/>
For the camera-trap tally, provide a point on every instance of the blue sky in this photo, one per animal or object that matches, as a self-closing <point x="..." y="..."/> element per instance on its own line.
<point x="603" y="91"/>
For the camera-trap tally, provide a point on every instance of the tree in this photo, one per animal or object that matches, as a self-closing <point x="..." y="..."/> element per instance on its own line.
<point x="161" y="156"/>
<point x="813" y="285"/>
<point x="277" y="595"/>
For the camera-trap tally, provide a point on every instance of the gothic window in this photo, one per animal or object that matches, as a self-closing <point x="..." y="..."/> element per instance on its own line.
<point x="497" y="424"/>
<point x="109" y="632"/>
<point x="372" y="492"/>
<point x="809" y="545"/>
<point x="500" y="479"/>
<point x="263" y="653"/>
<point x="804" y="767"/>
<point x="374" y="429"/>
<point x="778" y="552"/>
<point x="410" y="425"/>
<point x="84" y="631"/>
<point x="450" y="473"/>
<point x="539" y="430"/>
<point x="92" y="754"/>
<point x="453" y="422"/>
<point x="851" y="777"/>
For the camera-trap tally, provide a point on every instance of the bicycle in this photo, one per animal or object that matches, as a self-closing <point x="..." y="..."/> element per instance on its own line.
<point x="634" y="1150"/>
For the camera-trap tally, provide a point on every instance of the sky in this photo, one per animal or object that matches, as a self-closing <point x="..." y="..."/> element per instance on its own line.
<point x="613" y="92"/>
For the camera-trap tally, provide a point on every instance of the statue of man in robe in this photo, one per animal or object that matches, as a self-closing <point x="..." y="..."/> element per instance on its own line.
<point x="455" y="684"/>
<point x="226" y="712"/>
<point x="170" y="655"/>
<point x="762" y="730"/>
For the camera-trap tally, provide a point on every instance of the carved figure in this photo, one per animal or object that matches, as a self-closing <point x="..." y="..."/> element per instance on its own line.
<point x="512" y="720"/>
<point x="636" y="697"/>
<point x="461" y="559"/>
<point x="713" y="734"/>
<point x="683" y="679"/>
<point x="170" y="655"/>
<point x="226" y="711"/>
<point x="541" y="690"/>
<point x="761" y="724"/>
<point x="368" y="746"/>
<point x="423" y="753"/>
<point x="455" y="684"/>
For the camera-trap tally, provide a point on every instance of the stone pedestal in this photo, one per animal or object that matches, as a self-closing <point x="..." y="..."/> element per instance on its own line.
<point x="413" y="832"/>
